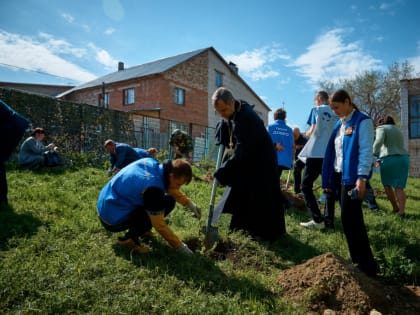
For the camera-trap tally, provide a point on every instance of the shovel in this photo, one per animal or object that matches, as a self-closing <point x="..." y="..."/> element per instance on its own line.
<point x="212" y="232"/>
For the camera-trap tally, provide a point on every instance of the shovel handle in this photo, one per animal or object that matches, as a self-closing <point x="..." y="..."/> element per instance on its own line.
<point x="215" y="184"/>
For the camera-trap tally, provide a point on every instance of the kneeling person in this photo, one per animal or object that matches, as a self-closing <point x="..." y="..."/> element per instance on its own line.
<point x="140" y="196"/>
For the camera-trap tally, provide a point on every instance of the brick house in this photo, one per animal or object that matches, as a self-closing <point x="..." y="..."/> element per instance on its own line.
<point x="410" y="122"/>
<point x="176" y="89"/>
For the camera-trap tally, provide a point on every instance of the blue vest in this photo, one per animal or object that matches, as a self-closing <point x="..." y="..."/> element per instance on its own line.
<point x="123" y="194"/>
<point x="350" y="152"/>
<point x="283" y="134"/>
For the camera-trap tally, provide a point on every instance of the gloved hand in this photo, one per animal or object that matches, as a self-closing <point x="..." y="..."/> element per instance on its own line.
<point x="51" y="146"/>
<point x="184" y="249"/>
<point x="195" y="209"/>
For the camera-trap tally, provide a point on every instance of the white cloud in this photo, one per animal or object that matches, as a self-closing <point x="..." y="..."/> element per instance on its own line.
<point x="32" y="55"/>
<point x="103" y="57"/>
<point x="69" y="18"/>
<point x="415" y="62"/>
<point x="109" y="31"/>
<point x="60" y="46"/>
<point x="257" y="64"/>
<point x="330" y="58"/>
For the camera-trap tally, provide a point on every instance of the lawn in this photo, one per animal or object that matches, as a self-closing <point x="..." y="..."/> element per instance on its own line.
<point x="56" y="258"/>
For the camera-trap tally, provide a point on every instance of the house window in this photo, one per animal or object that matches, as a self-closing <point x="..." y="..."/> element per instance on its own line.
<point x="179" y="96"/>
<point x="219" y="79"/>
<point x="414" y="117"/>
<point x="128" y="96"/>
<point x="103" y="101"/>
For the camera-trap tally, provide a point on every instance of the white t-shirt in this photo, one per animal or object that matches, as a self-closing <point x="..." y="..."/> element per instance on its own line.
<point x="317" y="143"/>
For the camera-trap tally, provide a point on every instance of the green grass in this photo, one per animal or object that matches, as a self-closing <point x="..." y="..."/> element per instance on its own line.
<point x="56" y="258"/>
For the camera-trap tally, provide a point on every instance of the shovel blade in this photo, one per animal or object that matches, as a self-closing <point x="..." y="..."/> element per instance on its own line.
<point x="211" y="236"/>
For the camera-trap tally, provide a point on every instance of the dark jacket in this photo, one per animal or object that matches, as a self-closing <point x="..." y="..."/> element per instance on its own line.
<point x="255" y="199"/>
<point x="12" y="127"/>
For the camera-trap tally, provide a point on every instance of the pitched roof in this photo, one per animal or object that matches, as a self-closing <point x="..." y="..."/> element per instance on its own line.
<point x="154" y="67"/>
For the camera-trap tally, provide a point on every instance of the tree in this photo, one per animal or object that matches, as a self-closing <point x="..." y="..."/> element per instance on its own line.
<point x="376" y="93"/>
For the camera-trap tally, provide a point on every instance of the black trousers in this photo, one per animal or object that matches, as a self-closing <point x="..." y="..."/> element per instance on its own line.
<point x="355" y="231"/>
<point x="332" y="197"/>
<point x="3" y="183"/>
<point x="312" y="170"/>
<point x="297" y="175"/>
<point x="139" y="222"/>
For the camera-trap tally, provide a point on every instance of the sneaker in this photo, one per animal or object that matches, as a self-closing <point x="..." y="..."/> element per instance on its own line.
<point x="125" y="241"/>
<point x="312" y="225"/>
<point x="133" y="245"/>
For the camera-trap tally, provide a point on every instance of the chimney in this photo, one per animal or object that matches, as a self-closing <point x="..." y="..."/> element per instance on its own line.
<point x="234" y="67"/>
<point x="120" y="65"/>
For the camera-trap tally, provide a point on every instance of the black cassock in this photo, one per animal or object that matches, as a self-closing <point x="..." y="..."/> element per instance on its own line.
<point x="255" y="199"/>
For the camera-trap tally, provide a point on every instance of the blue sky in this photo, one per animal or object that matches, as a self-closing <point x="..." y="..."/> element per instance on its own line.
<point x="282" y="48"/>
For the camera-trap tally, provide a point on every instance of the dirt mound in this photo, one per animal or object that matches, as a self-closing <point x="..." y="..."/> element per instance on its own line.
<point x="328" y="282"/>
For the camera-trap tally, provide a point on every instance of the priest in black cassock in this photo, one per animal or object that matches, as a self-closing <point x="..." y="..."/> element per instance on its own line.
<point x="249" y="170"/>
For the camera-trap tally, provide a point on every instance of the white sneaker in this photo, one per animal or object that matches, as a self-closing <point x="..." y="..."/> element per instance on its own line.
<point x="312" y="225"/>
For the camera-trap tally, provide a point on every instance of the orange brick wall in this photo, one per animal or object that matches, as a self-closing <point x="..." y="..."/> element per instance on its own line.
<point x="157" y="92"/>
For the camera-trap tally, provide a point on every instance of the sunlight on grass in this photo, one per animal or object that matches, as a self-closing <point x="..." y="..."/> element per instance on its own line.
<point x="56" y="258"/>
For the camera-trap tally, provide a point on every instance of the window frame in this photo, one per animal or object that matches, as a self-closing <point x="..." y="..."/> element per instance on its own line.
<point x="179" y="96"/>
<point x="414" y="120"/>
<point x="218" y="79"/>
<point x="128" y="96"/>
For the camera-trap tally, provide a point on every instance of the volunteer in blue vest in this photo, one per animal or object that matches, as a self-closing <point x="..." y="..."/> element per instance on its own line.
<point x="120" y="155"/>
<point x="282" y="136"/>
<point x="139" y="197"/>
<point x="346" y="168"/>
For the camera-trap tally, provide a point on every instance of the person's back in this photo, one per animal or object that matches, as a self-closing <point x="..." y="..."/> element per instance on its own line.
<point x="323" y="120"/>
<point x="393" y="143"/>
<point x="317" y="142"/>
<point x="282" y="137"/>
<point x="120" y="155"/>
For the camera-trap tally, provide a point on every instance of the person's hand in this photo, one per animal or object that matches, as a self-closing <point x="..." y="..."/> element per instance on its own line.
<point x="50" y="146"/>
<point x="183" y="249"/>
<point x="279" y="147"/>
<point x="195" y="210"/>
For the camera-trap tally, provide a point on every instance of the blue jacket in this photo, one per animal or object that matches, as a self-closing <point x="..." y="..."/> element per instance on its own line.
<point x="283" y="134"/>
<point x="123" y="193"/>
<point x="353" y="166"/>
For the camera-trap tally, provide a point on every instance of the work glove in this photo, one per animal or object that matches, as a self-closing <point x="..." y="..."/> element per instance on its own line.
<point x="195" y="209"/>
<point x="51" y="146"/>
<point x="184" y="249"/>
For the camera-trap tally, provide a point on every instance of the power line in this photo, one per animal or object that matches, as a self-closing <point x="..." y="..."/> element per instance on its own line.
<point x="36" y="71"/>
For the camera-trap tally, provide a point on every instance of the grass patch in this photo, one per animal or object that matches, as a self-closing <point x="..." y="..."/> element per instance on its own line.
<point x="57" y="259"/>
